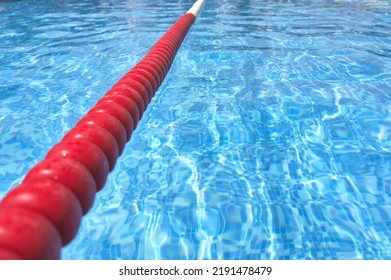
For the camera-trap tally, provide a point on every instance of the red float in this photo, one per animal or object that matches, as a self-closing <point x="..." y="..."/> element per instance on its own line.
<point x="85" y="153"/>
<point x="125" y="102"/>
<point x="147" y="84"/>
<point x="69" y="173"/>
<point x="9" y="255"/>
<point x="156" y="56"/>
<point x="124" y="90"/>
<point x="135" y="85"/>
<point x="98" y="136"/>
<point x="51" y="200"/>
<point x="164" y="54"/>
<point x="153" y="68"/>
<point x="152" y="78"/>
<point x="44" y="212"/>
<point x="118" y="112"/>
<point x="30" y="235"/>
<point x="108" y="123"/>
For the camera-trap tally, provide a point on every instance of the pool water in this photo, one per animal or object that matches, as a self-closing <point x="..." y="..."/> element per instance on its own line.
<point x="269" y="139"/>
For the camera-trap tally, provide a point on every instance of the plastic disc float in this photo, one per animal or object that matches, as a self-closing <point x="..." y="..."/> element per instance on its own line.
<point x="44" y="212"/>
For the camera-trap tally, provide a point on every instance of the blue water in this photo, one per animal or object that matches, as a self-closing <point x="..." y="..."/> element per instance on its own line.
<point x="269" y="139"/>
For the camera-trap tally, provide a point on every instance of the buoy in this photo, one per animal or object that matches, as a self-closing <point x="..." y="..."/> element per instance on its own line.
<point x="44" y="212"/>
<point x="68" y="173"/>
<point x="51" y="200"/>
<point x="28" y="235"/>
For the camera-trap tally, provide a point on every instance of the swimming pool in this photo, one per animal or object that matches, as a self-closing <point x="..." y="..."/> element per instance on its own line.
<point x="269" y="139"/>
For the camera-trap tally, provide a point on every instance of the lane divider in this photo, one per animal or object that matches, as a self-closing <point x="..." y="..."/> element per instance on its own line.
<point x="44" y="212"/>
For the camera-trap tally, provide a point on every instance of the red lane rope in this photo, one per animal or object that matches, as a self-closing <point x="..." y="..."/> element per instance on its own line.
<point x="43" y="214"/>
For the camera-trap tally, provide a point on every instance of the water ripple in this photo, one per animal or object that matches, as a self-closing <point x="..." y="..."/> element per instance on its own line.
<point x="269" y="139"/>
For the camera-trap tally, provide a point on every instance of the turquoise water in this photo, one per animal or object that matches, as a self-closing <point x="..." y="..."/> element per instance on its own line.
<point x="269" y="139"/>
